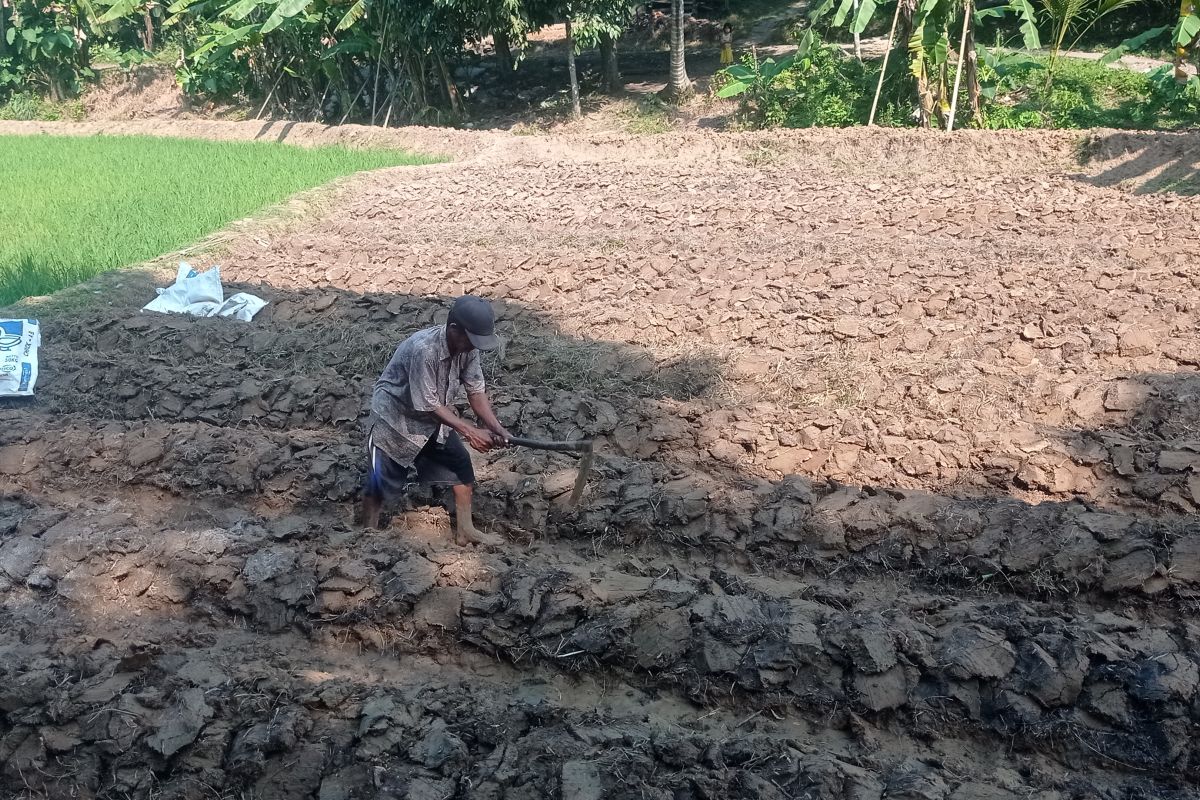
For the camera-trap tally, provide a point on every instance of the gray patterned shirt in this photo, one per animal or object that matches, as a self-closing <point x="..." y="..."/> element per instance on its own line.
<point x="421" y="376"/>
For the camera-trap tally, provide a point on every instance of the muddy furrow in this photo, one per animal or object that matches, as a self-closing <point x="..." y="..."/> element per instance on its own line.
<point x="981" y="545"/>
<point x="1084" y="682"/>
<point x="232" y="715"/>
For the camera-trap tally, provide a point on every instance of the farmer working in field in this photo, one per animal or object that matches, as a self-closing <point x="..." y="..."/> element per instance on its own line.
<point x="414" y="435"/>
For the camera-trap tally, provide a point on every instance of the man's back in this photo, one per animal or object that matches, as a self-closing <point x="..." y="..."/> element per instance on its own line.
<point x="422" y="375"/>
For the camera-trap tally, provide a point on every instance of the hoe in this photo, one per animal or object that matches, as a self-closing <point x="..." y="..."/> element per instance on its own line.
<point x="584" y="447"/>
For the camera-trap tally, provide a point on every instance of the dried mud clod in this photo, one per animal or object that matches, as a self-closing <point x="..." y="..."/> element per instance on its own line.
<point x="936" y="665"/>
<point x="864" y="523"/>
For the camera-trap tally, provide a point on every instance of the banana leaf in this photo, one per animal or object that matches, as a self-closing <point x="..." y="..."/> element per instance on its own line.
<point x="1133" y="44"/>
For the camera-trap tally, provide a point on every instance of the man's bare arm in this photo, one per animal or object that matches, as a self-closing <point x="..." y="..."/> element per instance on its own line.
<point x="478" y="439"/>
<point x="483" y="411"/>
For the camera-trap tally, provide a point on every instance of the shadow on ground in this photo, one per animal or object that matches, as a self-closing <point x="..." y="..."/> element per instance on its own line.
<point x="1054" y="629"/>
<point x="1144" y="162"/>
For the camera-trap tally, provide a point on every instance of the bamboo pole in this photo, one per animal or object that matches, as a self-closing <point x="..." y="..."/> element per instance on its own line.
<point x="271" y="93"/>
<point x="379" y="63"/>
<point x="962" y="54"/>
<point x="391" y="98"/>
<point x="353" y="103"/>
<point x="882" y="72"/>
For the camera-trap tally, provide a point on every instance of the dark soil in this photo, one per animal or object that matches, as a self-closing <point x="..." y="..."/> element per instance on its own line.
<point x="896" y="493"/>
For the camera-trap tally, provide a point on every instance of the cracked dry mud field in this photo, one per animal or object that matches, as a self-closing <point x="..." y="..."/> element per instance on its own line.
<point x="897" y="493"/>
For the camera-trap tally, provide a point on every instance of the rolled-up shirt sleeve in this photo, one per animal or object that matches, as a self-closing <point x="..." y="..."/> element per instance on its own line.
<point x="472" y="374"/>
<point x="422" y="383"/>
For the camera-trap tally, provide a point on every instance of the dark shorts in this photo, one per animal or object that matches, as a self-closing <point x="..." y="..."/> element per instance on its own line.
<point x="447" y="464"/>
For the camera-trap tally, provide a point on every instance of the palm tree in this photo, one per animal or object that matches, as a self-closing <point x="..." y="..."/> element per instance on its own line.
<point x="679" y="86"/>
<point x="1074" y="18"/>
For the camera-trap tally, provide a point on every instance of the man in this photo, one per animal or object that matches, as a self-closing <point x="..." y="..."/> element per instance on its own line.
<point x="414" y="432"/>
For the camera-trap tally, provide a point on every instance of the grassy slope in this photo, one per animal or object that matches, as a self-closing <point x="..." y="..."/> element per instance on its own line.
<point x="75" y="206"/>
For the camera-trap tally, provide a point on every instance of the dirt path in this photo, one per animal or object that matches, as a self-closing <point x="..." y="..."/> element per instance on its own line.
<point x="897" y="490"/>
<point x="766" y="29"/>
<point x="876" y="46"/>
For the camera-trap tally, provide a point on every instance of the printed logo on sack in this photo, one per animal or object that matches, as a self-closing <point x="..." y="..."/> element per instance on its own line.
<point x="11" y="334"/>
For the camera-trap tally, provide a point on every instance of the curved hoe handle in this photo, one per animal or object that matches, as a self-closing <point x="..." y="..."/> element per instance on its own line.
<point x="581" y="446"/>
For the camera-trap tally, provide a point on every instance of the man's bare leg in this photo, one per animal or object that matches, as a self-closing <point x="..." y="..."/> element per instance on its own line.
<point x="371" y="508"/>
<point x="466" y="531"/>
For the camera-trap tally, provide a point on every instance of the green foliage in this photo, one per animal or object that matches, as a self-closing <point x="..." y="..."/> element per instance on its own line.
<point x="79" y="206"/>
<point x="995" y="65"/>
<point x="44" y="46"/>
<point x="1087" y="94"/>
<point x="1021" y="89"/>
<point x="28" y="106"/>
<point x="1186" y="30"/>
<point x="928" y="45"/>
<point x="311" y="59"/>
<point x="1023" y="9"/>
<point x="1133" y="44"/>
<point x="48" y="46"/>
<point x="818" y="87"/>
<point x="1181" y="102"/>
<point x="753" y="77"/>
<point x="360" y="59"/>
<point x="1074" y="19"/>
<point x="595" y="18"/>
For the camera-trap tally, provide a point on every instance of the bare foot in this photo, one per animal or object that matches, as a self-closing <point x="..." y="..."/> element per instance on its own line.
<point x="465" y="527"/>
<point x="469" y="534"/>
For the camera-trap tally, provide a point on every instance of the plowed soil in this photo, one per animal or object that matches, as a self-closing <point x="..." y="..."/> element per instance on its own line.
<point x="896" y="493"/>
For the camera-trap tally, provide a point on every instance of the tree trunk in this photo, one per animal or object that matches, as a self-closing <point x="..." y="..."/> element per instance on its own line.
<point x="608" y="62"/>
<point x="908" y="9"/>
<point x="679" y="86"/>
<point x="504" y="57"/>
<point x="857" y="36"/>
<point x="924" y="99"/>
<point x="891" y="42"/>
<point x="942" y="96"/>
<point x="576" y="111"/>
<point x="448" y="83"/>
<point x="972" y="67"/>
<point x="148" y="33"/>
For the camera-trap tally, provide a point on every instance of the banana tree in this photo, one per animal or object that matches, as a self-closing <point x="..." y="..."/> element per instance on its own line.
<point x="923" y="33"/>
<point x="929" y="49"/>
<point x="143" y="10"/>
<point x="1186" y="33"/>
<point x="1184" y="36"/>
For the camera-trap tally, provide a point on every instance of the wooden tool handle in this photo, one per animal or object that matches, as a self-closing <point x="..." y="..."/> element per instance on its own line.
<point x="582" y="446"/>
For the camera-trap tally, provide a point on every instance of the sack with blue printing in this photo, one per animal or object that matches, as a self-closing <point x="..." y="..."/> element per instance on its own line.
<point x="19" y="340"/>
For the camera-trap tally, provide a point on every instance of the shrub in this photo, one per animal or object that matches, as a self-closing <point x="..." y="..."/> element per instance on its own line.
<point x="819" y="86"/>
<point x="28" y="106"/>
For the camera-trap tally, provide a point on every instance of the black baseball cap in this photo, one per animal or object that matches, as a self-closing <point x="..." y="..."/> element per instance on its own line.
<point x="475" y="316"/>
